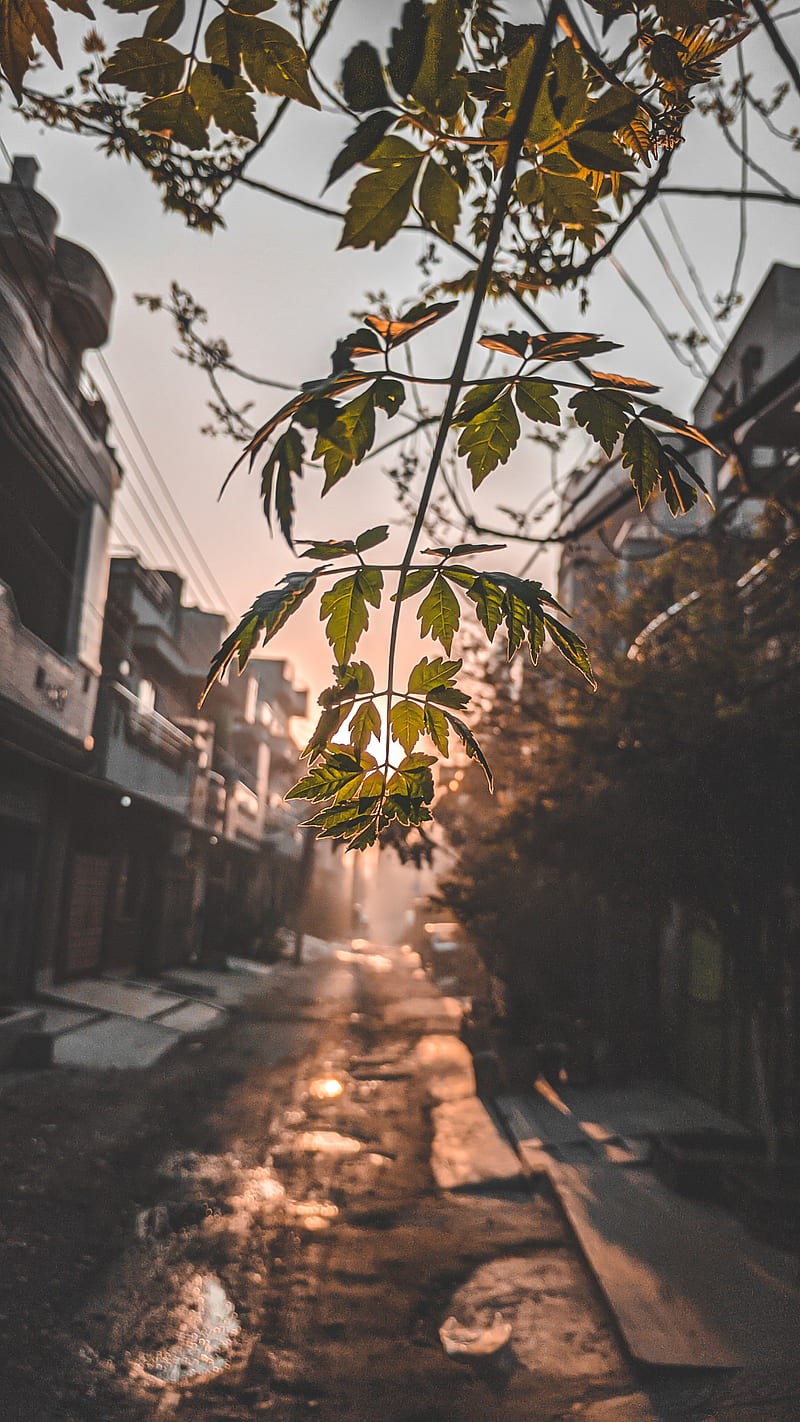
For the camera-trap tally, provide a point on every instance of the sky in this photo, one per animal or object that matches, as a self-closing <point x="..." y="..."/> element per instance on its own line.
<point x="278" y="290"/>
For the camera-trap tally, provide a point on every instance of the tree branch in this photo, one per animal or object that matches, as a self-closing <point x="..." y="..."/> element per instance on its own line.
<point x="778" y="43"/>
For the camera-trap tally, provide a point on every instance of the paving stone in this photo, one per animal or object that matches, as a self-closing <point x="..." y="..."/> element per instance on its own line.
<point x="132" y="999"/>
<point x="192" y="1017"/>
<point x="122" y="1042"/>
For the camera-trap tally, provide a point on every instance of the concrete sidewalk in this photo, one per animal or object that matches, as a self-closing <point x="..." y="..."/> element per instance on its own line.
<point x="111" y="1023"/>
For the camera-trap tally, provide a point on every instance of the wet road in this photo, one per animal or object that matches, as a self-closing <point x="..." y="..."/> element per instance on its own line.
<point x="254" y="1228"/>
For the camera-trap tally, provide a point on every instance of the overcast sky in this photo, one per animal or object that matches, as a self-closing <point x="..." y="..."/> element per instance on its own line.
<point x="277" y="289"/>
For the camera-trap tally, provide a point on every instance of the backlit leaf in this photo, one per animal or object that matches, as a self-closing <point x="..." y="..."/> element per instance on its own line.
<point x="439" y="199"/>
<point x="271" y="610"/>
<point x="489" y="438"/>
<point x="345" y="607"/>
<point x="604" y="415"/>
<point x="365" y="725"/>
<point x="380" y="201"/>
<point x="436" y="727"/>
<point x="372" y="537"/>
<point x="571" y="648"/>
<point x="431" y="673"/>
<point x="21" y="23"/>
<point x="433" y="87"/>
<point x="439" y="613"/>
<point x="599" y="152"/>
<point x="641" y="453"/>
<point x="416" y="319"/>
<point x="145" y="66"/>
<point x="536" y="400"/>
<point x="406" y="722"/>
<point x="514" y="343"/>
<point x="488" y="600"/>
<point x="226" y="98"/>
<point x="471" y="746"/>
<point x="166" y="19"/>
<point x="176" y="116"/>
<point x="476" y="399"/>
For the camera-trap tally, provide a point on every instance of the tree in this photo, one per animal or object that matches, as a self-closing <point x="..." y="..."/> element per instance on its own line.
<point x="678" y="784"/>
<point x="517" y="145"/>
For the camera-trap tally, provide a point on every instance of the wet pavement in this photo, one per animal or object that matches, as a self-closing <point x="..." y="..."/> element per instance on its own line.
<point x="279" y="1219"/>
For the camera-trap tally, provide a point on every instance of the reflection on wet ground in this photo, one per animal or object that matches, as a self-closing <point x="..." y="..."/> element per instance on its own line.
<point x="205" y="1326"/>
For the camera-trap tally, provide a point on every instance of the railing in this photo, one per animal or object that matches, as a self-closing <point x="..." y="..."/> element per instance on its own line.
<point x="152" y="729"/>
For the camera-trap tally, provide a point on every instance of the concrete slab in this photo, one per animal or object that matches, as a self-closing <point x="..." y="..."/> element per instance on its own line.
<point x="64" y="1019"/>
<point x="468" y="1148"/>
<point x="121" y="1042"/>
<point x="686" y="1283"/>
<point x="140" y="1000"/>
<point x="642" y="1109"/>
<point x="534" y="1120"/>
<point x="223" y="989"/>
<point x="192" y="1017"/>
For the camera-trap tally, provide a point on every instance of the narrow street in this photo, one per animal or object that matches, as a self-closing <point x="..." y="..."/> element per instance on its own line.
<point x="253" y="1227"/>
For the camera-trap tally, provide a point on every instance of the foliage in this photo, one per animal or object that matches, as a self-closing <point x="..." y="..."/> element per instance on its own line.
<point x="678" y="784"/>
<point x="522" y="140"/>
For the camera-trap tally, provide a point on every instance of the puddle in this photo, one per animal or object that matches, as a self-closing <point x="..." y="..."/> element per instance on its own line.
<point x="325" y="1088"/>
<point x="312" y="1214"/>
<point x="556" y="1324"/>
<point x="328" y="1143"/>
<point x="206" y="1325"/>
<point x="377" y="961"/>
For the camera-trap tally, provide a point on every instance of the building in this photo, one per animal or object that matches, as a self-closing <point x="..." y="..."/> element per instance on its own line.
<point x="58" y="475"/>
<point x="136" y="832"/>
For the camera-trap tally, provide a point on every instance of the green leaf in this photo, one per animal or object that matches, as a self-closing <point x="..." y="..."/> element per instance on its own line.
<point x="622" y="382"/>
<point x="407" y="46"/>
<point x="337" y="778"/>
<point x="380" y="201"/>
<point x="641" y="456"/>
<point x="439" y="199"/>
<point x="514" y="343"/>
<point x="360" y="145"/>
<point x="165" y="20"/>
<point x="365" y="725"/>
<point x="660" y="416"/>
<point x="536" y="400"/>
<point x="569" y="201"/>
<point x="345" y="441"/>
<point x="436" y="727"/>
<point x="415" y="581"/>
<point x="461" y="549"/>
<point x="278" y="65"/>
<point x="599" y="152"/>
<point x="176" y="117"/>
<point x="429" y="674"/>
<point x="605" y="415"/>
<point x="270" y="611"/>
<point x="406" y="721"/>
<point x="489" y="438"/>
<point x="449" y="696"/>
<point x="433" y="87"/>
<point x="613" y="109"/>
<point x="569" y="89"/>
<point x="352" y="680"/>
<point x="477" y="399"/>
<point x="389" y="394"/>
<point x="326" y="727"/>
<point x="471" y="746"/>
<point x="488" y="600"/>
<point x="371" y="538"/>
<point x="285" y="459"/>
<point x="516" y="615"/>
<point x="439" y="613"/>
<point x="326" y="549"/>
<point x="226" y="98"/>
<point x="345" y="607"/>
<point x="571" y="648"/>
<point x="362" y="78"/>
<point x="145" y="66"/>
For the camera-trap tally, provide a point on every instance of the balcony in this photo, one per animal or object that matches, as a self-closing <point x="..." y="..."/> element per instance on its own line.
<point x="144" y="753"/>
<point x="244" y="814"/>
<point x="47" y="690"/>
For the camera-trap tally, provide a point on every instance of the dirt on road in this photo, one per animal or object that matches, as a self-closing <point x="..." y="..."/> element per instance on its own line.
<point x="252" y="1229"/>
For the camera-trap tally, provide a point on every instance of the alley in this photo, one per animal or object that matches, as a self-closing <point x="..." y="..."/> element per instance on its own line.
<point x="257" y="1226"/>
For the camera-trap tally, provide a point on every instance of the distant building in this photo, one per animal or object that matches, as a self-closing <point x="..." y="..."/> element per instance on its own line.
<point x="750" y="407"/>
